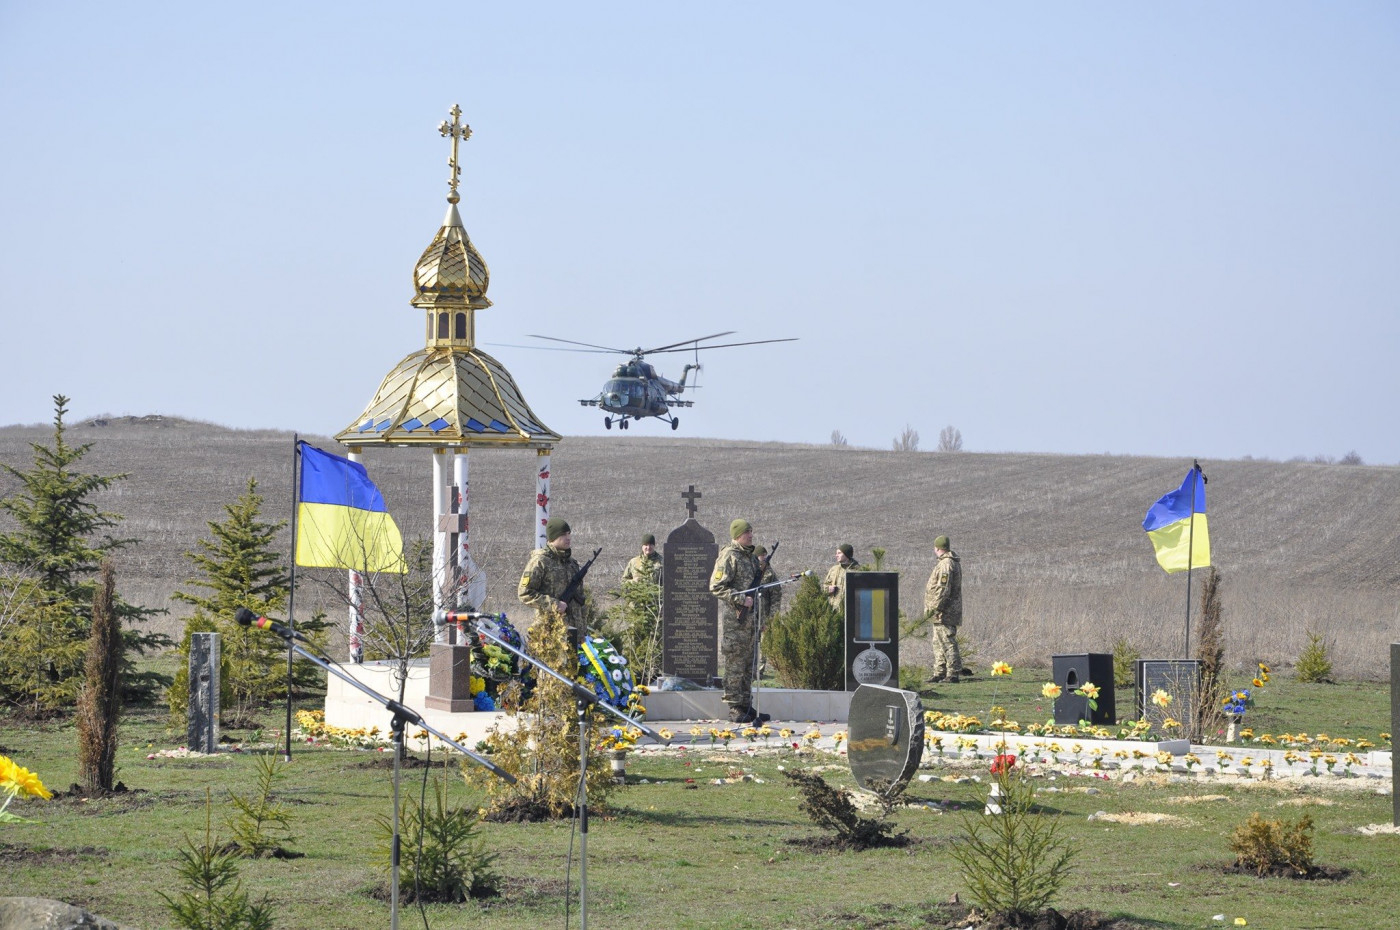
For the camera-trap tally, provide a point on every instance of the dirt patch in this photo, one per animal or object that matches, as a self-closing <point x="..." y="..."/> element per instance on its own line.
<point x="1139" y="818"/>
<point x="1307" y="802"/>
<point x="49" y="857"/>
<point x="1324" y="873"/>
<point x="386" y="761"/>
<point x="1197" y="799"/>
<point x="1379" y="829"/>
<point x="834" y="843"/>
<point x="77" y="792"/>
<point x="956" y="916"/>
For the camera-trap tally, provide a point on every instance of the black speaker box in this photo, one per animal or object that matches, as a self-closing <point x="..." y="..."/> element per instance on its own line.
<point x="1074" y="671"/>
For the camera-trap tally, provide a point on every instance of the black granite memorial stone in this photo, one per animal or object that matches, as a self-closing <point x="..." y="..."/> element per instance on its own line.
<point x="1180" y="678"/>
<point x="689" y="613"/>
<point x="202" y="732"/>
<point x="886" y="738"/>
<point x="872" y="629"/>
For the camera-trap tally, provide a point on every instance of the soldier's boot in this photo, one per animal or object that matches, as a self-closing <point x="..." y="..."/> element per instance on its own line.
<point x="742" y="715"/>
<point x="757" y="717"/>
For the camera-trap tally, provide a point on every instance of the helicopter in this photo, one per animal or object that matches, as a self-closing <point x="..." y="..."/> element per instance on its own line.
<point x="636" y="389"/>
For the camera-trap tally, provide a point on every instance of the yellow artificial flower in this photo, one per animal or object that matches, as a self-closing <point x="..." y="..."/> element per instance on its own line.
<point x="1090" y="691"/>
<point x="1258" y="683"/>
<point x="1001" y="668"/>
<point x="1161" y="698"/>
<point x="19" y="780"/>
<point x="665" y="733"/>
<point x="1050" y="690"/>
<point x="1240" y="922"/>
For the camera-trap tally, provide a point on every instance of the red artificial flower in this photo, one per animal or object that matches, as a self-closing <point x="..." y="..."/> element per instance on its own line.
<point x="1003" y="764"/>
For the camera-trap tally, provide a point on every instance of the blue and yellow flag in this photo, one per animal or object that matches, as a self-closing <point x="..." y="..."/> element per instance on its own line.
<point x="342" y="521"/>
<point x="1176" y="524"/>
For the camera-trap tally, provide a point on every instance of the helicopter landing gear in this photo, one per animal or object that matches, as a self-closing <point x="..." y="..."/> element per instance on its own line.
<point x="622" y="424"/>
<point x="675" y="422"/>
<point x="607" y="422"/>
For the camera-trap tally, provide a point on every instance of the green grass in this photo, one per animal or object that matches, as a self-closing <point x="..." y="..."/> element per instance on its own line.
<point x="680" y="852"/>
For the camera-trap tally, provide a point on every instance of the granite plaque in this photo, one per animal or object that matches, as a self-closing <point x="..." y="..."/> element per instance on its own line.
<point x="1181" y="679"/>
<point x="886" y="738"/>
<point x="203" y="722"/>
<point x="872" y="629"/>
<point x="689" y="613"/>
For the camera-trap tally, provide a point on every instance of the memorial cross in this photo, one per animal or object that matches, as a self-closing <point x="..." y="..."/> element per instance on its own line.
<point x="691" y="496"/>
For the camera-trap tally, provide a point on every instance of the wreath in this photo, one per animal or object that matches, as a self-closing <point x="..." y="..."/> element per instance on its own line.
<point x="605" y="670"/>
<point x="491" y="661"/>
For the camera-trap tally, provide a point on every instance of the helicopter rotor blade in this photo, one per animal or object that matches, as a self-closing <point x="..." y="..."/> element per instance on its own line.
<point x="727" y="345"/>
<point x="588" y="344"/>
<point x="684" y="343"/>
<point x="516" y="345"/>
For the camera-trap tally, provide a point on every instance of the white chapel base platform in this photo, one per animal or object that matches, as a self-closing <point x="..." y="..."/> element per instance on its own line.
<point x="348" y="707"/>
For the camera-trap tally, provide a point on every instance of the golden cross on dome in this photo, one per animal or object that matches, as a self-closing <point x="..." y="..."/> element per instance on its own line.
<point x="458" y="131"/>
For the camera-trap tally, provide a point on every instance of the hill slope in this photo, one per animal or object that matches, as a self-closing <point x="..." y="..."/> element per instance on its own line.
<point x="1054" y="556"/>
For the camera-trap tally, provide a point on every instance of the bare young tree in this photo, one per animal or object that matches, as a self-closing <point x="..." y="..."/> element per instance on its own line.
<point x="1351" y="458"/>
<point x="950" y="439"/>
<point x="838" y="440"/>
<point x="907" y="441"/>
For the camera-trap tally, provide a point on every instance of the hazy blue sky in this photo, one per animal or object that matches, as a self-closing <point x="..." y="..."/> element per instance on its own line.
<point x="1168" y="229"/>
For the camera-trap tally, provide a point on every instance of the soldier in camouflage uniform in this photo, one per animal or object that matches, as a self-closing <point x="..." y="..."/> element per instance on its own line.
<point x="737" y="569"/>
<point x="834" y="584"/>
<point x="943" y="608"/>
<point x="644" y="567"/>
<point x="549" y="572"/>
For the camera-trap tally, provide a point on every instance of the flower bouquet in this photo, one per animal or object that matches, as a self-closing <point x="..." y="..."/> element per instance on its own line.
<point x="492" y="662"/>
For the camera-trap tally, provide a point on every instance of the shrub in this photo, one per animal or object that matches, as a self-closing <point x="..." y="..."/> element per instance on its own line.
<point x="100" y="702"/>
<point x="1268" y="846"/>
<point x="1313" y="662"/>
<point x="1125" y="658"/>
<point x="443" y="857"/>
<point x="213" y="898"/>
<point x="260" y="825"/>
<point x="803" y="644"/>
<point x="832" y="809"/>
<point x="1013" y="862"/>
<point x="634" y="625"/>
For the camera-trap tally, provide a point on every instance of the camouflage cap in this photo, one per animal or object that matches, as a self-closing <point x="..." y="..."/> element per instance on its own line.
<point x="555" y="528"/>
<point x="942" y="542"/>
<point x="648" y="540"/>
<point x="739" y="527"/>
<point x="846" y="550"/>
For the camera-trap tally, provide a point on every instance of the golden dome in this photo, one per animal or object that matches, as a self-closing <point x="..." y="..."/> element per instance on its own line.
<point x="449" y="397"/>
<point x="451" y="273"/>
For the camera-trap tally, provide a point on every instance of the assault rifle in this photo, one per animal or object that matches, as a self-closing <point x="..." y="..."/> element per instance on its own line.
<point x="577" y="581"/>
<point x="763" y="561"/>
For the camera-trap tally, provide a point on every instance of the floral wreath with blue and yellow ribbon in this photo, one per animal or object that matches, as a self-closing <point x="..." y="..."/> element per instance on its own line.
<point x="606" y="671"/>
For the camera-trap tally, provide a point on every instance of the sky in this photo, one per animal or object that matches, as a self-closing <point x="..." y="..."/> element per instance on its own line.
<point x="1147" y="229"/>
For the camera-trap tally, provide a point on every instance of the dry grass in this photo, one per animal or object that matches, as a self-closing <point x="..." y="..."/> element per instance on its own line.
<point x="1052" y="548"/>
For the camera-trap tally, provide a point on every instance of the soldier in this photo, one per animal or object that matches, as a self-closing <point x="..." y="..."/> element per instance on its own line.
<point x="772" y="597"/>
<point x="644" y="567"/>
<point x="943" y="608"/>
<point x="736" y="570"/>
<point x="835" y="582"/>
<point x="549" y="572"/>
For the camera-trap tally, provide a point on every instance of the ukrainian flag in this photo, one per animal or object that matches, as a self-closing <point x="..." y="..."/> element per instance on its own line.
<point x="1176" y="524"/>
<point x="342" y="521"/>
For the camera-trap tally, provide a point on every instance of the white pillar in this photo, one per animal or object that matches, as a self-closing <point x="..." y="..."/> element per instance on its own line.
<point x="441" y="545"/>
<point x="355" y="597"/>
<point x="541" y="496"/>
<point x="470" y="581"/>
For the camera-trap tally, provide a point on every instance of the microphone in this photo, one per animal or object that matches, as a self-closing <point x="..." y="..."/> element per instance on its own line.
<point x="246" y="617"/>
<point x="461" y="616"/>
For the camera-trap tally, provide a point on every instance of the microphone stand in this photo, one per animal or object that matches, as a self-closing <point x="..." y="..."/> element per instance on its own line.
<point x="585" y="698"/>
<point x="757" y="593"/>
<point x="402" y="715"/>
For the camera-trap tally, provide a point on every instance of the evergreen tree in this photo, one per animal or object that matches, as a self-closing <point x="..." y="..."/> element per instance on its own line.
<point x="99" y="705"/>
<point x="238" y="567"/>
<point x="60" y="537"/>
<point x="804" y="644"/>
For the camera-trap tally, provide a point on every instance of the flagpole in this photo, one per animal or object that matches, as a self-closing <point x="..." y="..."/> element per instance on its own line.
<point x="1190" y="553"/>
<point x="292" y="594"/>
